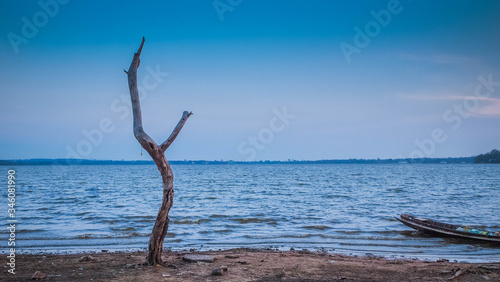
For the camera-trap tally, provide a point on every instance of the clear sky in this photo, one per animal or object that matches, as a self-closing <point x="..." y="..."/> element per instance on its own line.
<point x="265" y="79"/>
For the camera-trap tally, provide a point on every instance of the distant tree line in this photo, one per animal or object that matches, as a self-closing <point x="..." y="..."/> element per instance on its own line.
<point x="460" y="160"/>
<point x="492" y="157"/>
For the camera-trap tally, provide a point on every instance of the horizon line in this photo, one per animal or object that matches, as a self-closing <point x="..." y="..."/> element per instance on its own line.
<point x="236" y="161"/>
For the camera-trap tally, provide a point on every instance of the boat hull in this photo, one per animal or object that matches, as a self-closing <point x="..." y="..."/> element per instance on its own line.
<point x="430" y="226"/>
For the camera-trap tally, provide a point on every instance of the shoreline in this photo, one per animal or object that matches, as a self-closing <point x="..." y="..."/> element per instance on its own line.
<point x="348" y="253"/>
<point x="243" y="265"/>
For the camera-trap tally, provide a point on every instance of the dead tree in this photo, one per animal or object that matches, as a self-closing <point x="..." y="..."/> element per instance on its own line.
<point x="157" y="152"/>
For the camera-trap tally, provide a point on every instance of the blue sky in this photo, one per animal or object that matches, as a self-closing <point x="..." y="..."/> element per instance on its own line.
<point x="264" y="79"/>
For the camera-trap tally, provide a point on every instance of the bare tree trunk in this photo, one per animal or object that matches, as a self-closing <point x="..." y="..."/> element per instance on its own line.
<point x="158" y="154"/>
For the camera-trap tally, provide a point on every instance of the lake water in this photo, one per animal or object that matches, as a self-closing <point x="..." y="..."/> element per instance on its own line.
<point x="345" y="208"/>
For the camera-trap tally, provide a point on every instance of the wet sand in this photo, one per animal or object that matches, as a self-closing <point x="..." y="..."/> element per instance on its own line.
<point x="244" y="265"/>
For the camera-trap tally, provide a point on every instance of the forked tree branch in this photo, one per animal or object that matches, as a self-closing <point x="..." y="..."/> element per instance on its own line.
<point x="176" y="131"/>
<point x="146" y="142"/>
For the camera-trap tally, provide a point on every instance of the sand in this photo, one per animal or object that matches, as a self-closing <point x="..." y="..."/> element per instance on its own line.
<point x="244" y="265"/>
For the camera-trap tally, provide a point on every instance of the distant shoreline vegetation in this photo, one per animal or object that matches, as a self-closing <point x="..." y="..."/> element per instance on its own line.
<point x="205" y="162"/>
<point x="492" y="157"/>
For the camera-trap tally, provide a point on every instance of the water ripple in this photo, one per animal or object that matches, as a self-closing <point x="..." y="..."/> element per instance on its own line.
<point x="349" y="208"/>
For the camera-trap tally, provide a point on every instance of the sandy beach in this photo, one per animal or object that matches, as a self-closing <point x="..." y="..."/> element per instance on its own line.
<point x="244" y="265"/>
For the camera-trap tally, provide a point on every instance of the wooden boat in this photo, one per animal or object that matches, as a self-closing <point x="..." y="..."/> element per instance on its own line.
<point x="426" y="225"/>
